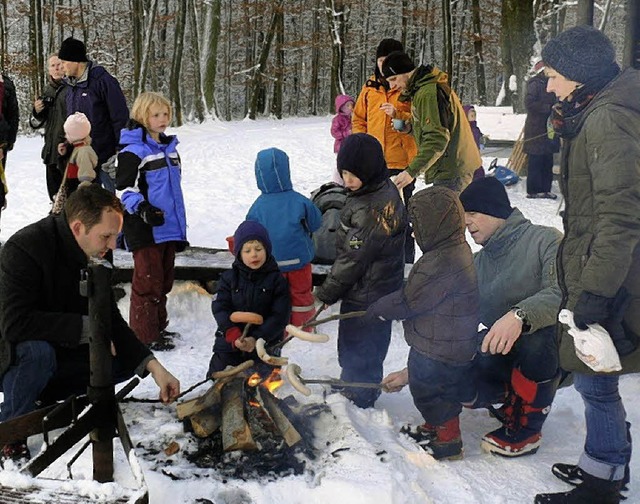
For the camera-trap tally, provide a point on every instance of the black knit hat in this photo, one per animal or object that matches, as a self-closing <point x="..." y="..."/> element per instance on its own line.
<point x="248" y="231"/>
<point x="487" y="196"/>
<point x="581" y="53"/>
<point x="397" y="63"/>
<point x="361" y="154"/>
<point x="73" y="50"/>
<point x="387" y="46"/>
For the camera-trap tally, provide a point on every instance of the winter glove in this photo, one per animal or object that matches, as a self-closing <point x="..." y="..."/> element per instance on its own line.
<point x="150" y="214"/>
<point x="232" y="334"/>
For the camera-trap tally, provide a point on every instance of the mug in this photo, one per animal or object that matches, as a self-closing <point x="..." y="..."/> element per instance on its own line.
<point x="398" y="124"/>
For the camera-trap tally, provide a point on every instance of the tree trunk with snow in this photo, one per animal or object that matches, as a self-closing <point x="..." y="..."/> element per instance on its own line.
<point x="198" y="95"/>
<point x="585" y="12"/>
<point x="175" y="81"/>
<point x="210" y="52"/>
<point x="336" y="10"/>
<point x="478" y="58"/>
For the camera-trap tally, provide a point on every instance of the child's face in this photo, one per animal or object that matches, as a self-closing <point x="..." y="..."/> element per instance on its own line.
<point x="253" y="254"/>
<point x="157" y="119"/>
<point x="471" y="115"/>
<point x="347" y="108"/>
<point x="351" y="182"/>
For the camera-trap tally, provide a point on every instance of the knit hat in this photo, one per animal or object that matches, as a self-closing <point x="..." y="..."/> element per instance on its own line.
<point x="486" y="196"/>
<point x="77" y="127"/>
<point x="361" y="154"/>
<point x="387" y="46"/>
<point x="397" y="63"/>
<point x="73" y="50"/>
<point x="580" y="53"/>
<point x="248" y="231"/>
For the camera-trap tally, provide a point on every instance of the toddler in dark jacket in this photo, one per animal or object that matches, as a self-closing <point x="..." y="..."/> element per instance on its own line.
<point x="439" y="308"/>
<point x="369" y="262"/>
<point x="253" y="284"/>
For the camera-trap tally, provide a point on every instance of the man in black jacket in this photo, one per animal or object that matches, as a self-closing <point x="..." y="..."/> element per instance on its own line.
<point x="44" y="351"/>
<point x="9" y="120"/>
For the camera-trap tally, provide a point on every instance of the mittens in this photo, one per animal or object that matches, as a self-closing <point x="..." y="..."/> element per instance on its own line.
<point x="232" y="334"/>
<point x="150" y="214"/>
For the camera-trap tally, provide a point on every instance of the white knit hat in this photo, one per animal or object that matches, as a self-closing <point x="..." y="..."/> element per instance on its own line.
<point x="77" y="127"/>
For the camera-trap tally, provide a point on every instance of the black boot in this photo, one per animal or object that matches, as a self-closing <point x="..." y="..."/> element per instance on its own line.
<point x="592" y="490"/>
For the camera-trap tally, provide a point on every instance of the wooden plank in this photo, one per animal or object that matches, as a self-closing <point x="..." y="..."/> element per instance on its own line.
<point x="289" y="433"/>
<point x="206" y="422"/>
<point x="236" y="434"/>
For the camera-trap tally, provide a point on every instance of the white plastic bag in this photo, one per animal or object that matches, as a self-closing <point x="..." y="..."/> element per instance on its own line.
<point x="593" y="346"/>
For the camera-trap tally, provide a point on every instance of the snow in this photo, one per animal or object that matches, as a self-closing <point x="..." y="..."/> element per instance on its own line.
<point x="374" y="464"/>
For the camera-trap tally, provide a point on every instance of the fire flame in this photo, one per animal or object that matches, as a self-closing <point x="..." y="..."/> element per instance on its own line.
<point x="271" y="383"/>
<point x="254" y="380"/>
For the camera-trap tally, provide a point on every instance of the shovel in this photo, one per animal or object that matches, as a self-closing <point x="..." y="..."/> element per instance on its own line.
<point x="300" y="384"/>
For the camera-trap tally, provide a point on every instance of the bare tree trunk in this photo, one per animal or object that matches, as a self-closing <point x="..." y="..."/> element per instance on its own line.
<point x="137" y="19"/>
<point x="478" y="57"/>
<point x="176" y="63"/>
<point x="210" y="51"/>
<point x="276" y="104"/>
<point x="150" y="16"/>
<point x="632" y="38"/>
<point x="585" y="12"/>
<point x="3" y="34"/>
<point x="605" y="16"/>
<point x="228" y="69"/>
<point x="335" y="10"/>
<point x="447" y="38"/>
<point x="36" y="73"/>
<point x="198" y="95"/>
<point x="315" y="60"/>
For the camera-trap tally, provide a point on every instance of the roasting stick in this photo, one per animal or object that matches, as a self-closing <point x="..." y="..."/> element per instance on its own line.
<point x="300" y="384"/>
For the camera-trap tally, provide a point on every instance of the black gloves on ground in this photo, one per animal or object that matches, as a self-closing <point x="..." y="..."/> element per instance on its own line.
<point x="150" y="214"/>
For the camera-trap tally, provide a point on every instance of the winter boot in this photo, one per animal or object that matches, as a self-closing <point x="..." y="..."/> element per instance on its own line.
<point x="572" y="474"/>
<point x="525" y="410"/>
<point x="17" y="452"/>
<point x="446" y="443"/>
<point x="591" y="491"/>
<point x="423" y="434"/>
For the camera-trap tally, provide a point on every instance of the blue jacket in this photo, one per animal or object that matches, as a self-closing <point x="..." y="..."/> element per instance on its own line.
<point x="150" y="171"/>
<point x="288" y="216"/>
<point x="97" y="95"/>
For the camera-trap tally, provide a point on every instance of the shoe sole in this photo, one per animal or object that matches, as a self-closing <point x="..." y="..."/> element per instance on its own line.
<point x="489" y="447"/>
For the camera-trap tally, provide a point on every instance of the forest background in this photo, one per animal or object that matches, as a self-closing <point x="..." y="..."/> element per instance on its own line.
<point x="231" y="59"/>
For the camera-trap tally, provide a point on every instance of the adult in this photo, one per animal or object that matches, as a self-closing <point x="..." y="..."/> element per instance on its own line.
<point x="9" y="120"/>
<point x="97" y="94"/>
<point x="537" y="144"/>
<point x="519" y="300"/>
<point x="376" y="107"/>
<point x="447" y="153"/>
<point x="44" y="324"/>
<point x="49" y="112"/>
<point x="598" y="118"/>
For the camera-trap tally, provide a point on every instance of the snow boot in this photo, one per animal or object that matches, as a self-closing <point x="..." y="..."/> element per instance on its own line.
<point x="446" y="441"/>
<point x="525" y="410"/>
<point x="592" y="490"/>
<point x="17" y="452"/>
<point x="572" y="474"/>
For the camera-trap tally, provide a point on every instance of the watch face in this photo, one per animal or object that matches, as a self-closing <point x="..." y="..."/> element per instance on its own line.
<point x="520" y="314"/>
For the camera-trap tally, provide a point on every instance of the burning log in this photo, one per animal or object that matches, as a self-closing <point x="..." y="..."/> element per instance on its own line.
<point x="289" y="433"/>
<point x="206" y="422"/>
<point x="236" y="434"/>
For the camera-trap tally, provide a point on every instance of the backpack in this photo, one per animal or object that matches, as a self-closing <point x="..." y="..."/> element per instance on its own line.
<point x="329" y="198"/>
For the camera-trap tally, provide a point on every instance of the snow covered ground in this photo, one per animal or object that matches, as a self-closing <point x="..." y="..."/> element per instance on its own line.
<point x="380" y="465"/>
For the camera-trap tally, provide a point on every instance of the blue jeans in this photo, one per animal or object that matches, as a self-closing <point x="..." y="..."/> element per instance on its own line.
<point x="362" y="348"/>
<point x="607" y="449"/>
<point x="437" y="387"/>
<point x="105" y="180"/>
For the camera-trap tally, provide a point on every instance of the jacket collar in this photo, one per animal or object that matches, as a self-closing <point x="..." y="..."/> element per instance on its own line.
<point x="74" y="253"/>
<point x="504" y="238"/>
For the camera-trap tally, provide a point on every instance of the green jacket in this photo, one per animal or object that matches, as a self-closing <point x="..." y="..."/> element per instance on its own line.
<point x="517" y="267"/>
<point x="600" y="181"/>
<point x="446" y="148"/>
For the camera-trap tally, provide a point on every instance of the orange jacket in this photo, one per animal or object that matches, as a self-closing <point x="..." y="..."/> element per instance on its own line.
<point x="399" y="148"/>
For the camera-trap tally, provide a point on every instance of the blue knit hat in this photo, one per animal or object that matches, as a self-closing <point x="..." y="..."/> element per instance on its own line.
<point x="248" y="231"/>
<point x="486" y="196"/>
<point x="580" y="54"/>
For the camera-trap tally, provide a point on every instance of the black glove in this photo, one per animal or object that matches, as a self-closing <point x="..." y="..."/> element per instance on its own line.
<point x="150" y="214"/>
<point x="591" y="309"/>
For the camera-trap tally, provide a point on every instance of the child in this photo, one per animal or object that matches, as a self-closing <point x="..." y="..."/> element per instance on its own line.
<point x="149" y="176"/>
<point x="341" y="126"/>
<point x="369" y="264"/>
<point x="253" y="284"/>
<point x="439" y="308"/>
<point x="478" y="136"/>
<point x="290" y="218"/>
<point x="82" y="161"/>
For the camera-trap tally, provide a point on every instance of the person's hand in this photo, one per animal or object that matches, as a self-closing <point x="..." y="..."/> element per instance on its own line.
<point x="403" y="179"/>
<point x="150" y="214"/>
<point x="395" y="382"/>
<point x="388" y="109"/>
<point x="167" y="383"/>
<point x="62" y="148"/>
<point x="247" y="344"/>
<point x="38" y="105"/>
<point x="502" y="335"/>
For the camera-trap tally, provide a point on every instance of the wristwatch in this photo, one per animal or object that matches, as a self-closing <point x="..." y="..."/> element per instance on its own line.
<point x="521" y="315"/>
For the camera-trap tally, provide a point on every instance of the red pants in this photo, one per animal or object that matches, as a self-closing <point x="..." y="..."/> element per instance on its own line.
<point x="153" y="273"/>
<point x="300" y="287"/>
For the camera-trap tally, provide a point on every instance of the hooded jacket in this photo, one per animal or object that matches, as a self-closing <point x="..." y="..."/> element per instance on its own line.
<point x="398" y="148"/>
<point x="150" y="171"/>
<point x="600" y="181"/>
<point x="373" y="222"/>
<point x="439" y="303"/>
<point x="446" y="148"/>
<point x="289" y="217"/>
<point x="341" y="122"/>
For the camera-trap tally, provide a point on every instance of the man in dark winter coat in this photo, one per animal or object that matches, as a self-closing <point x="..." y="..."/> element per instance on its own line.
<point x="598" y="119"/>
<point x="97" y="94"/>
<point x="50" y="111"/>
<point x="9" y="121"/>
<point x="519" y="300"/>
<point x="369" y="264"/>
<point x="44" y="324"/>
<point x="537" y="144"/>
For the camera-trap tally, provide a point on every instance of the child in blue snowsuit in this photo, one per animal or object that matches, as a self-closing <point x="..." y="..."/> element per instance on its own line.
<point x="253" y="284"/>
<point x="289" y="218"/>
